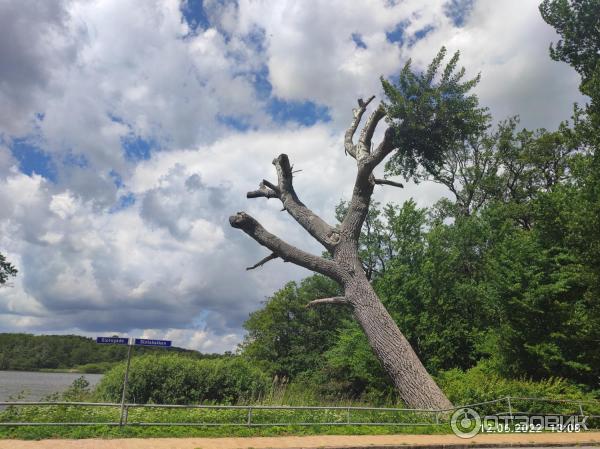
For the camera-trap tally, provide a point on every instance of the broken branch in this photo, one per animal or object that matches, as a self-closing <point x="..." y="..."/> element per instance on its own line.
<point x="369" y="129"/>
<point x="357" y="114"/>
<point x="334" y="300"/>
<point x="315" y="225"/>
<point x="389" y="183"/>
<point x="263" y="191"/>
<point x="263" y="261"/>
<point x="282" y="249"/>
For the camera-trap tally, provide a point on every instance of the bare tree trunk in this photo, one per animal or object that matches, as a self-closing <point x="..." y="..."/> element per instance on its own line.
<point x="415" y="386"/>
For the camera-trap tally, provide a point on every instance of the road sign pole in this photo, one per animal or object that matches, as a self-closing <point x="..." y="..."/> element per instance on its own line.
<point x="131" y="342"/>
<point x="125" y="383"/>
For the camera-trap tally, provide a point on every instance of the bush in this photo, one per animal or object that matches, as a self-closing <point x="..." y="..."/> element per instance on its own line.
<point x="95" y="368"/>
<point x="174" y="379"/>
<point x="482" y="383"/>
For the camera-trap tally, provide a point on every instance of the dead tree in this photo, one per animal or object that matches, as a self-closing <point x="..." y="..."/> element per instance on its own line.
<point x="414" y="384"/>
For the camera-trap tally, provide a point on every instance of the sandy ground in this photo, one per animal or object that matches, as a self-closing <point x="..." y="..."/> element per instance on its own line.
<point x="332" y="441"/>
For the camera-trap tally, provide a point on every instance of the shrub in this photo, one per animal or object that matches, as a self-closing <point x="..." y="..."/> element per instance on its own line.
<point x="482" y="383"/>
<point x="95" y="368"/>
<point x="174" y="379"/>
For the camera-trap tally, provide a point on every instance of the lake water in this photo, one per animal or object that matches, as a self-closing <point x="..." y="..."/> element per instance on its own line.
<point x="36" y="385"/>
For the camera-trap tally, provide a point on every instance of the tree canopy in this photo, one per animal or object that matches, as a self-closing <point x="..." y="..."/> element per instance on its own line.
<point x="576" y="21"/>
<point x="431" y="115"/>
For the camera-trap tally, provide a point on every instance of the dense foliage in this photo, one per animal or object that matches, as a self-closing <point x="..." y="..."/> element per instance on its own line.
<point x="7" y="270"/>
<point x="431" y="115"/>
<point x="482" y="383"/>
<point x="297" y="335"/>
<point x="576" y="21"/>
<point x="34" y="352"/>
<point x="174" y="379"/>
<point x="497" y="285"/>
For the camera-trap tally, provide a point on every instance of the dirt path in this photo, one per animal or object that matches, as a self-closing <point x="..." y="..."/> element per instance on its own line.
<point x="342" y="441"/>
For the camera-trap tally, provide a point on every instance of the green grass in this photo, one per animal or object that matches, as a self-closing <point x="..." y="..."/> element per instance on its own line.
<point x="88" y="368"/>
<point x="111" y="414"/>
<point x="291" y="418"/>
<point x="46" y="432"/>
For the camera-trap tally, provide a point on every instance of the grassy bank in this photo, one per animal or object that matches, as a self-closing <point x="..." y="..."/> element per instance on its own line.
<point x="47" y="432"/>
<point x="41" y="414"/>
<point x="39" y="433"/>
<point x="88" y="368"/>
<point x="233" y="422"/>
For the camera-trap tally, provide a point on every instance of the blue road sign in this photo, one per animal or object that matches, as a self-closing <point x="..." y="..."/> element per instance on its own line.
<point x="150" y="342"/>
<point x="112" y="340"/>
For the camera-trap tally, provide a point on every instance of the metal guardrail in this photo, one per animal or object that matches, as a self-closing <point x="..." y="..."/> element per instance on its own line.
<point x="344" y="415"/>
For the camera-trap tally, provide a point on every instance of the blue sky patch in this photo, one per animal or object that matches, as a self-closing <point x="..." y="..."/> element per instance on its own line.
<point x="304" y="112"/>
<point x="194" y="14"/>
<point x="123" y="202"/>
<point x="237" y="123"/>
<point x="261" y="83"/>
<point x="397" y="34"/>
<point x="357" y="39"/>
<point x="424" y="32"/>
<point x="32" y="159"/>
<point x="458" y="11"/>
<point x="420" y="34"/>
<point x="136" y="148"/>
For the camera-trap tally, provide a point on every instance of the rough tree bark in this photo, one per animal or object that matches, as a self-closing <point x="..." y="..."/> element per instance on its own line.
<point x="415" y="386"/>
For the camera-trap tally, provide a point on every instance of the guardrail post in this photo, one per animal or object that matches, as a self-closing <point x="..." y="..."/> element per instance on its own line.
<point x="510" y="411"/>
<point x="437" y="418"/>
<point x="249" y="421"/>
<point x="348" y="415"/>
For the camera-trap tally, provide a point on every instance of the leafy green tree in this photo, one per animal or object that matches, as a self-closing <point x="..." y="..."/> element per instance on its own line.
<point x="285" y="337"/>
<point x="578" y="23"/>
<point x="434" y="287"/>
<point x="352" y="368"/>
<point x="431" y="118"/>
<point x="547" y="321"/>
<point x="6" y="270"/>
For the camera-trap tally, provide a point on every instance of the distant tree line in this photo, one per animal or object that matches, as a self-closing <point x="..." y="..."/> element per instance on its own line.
<point x="35" y="352"/>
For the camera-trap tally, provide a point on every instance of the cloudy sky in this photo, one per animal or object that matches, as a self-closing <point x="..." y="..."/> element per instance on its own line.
<point x="131" y="130"/>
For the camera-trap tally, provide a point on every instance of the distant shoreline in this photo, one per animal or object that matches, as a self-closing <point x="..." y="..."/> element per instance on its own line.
<point x="95" y="368"/>
<point x="70" y="353"/>
<point x="51" y="370"/>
